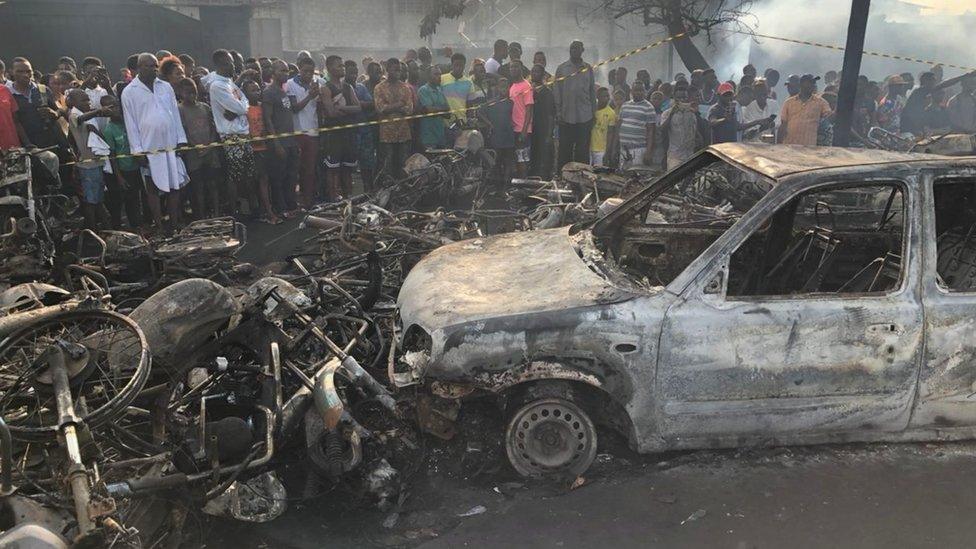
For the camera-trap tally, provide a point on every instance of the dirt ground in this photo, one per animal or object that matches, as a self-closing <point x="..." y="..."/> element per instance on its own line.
<point x="898" y="495"/>
<point x="463" y="493"/>
<point x="881" y="495"/>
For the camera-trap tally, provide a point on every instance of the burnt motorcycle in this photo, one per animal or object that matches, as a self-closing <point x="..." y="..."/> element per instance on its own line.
<point x="106" y="452"/>
<point x="449" y="178"/>
<point x="30" y="221"/>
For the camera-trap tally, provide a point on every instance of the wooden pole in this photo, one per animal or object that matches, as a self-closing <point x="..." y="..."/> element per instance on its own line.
<point x="856" y="30"/>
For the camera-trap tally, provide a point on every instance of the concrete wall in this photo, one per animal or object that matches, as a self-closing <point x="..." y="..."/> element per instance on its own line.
<point x="389" y="27"/>
<point x="384" y="28"/>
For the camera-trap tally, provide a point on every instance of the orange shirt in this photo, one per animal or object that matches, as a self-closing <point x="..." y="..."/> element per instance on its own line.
<point x="255" y="120"/>
<point x="802" y="119"/>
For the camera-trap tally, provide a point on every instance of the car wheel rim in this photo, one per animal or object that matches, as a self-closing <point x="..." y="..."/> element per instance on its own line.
<point x="551" y="436"/>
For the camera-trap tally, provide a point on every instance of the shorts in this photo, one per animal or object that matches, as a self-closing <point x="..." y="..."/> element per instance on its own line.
<point x="366" y="145"/>
<point x="92" y="184"/>
<point x="522" y="155"/>
<point x="133" y="179"/>
<point x="339" y="148"/>
<point x="596" y="158"/>
<point x="238" y="161"/>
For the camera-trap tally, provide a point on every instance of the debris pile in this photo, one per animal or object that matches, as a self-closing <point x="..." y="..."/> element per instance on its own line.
<point x="142" y="380"/>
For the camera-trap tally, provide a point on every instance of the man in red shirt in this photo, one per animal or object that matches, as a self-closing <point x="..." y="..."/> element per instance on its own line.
<point x="10" y="129"/>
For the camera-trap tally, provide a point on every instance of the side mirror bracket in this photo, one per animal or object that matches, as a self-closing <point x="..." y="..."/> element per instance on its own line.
<point x="717" y="283"/>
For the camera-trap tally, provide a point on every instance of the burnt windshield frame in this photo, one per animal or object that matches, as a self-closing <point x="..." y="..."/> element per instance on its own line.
<point x="643" y="199"/>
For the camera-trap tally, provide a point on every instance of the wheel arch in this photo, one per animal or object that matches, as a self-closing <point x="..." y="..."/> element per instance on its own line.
<point x="601" y="405"/>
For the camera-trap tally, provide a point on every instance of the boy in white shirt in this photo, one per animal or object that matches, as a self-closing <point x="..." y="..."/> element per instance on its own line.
<point x="81" y="124"/>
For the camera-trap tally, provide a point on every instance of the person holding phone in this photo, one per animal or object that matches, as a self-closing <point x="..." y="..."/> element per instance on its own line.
<point x="97" y="84"/>
<point x="762" y="107"/>
<point x="303" y="92"/>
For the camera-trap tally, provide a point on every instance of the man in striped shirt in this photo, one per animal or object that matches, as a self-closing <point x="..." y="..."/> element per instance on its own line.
<point x="635" y="128"/>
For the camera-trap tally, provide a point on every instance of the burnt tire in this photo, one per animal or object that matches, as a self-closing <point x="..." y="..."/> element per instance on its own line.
<point x="550" y="437"/>
<point x="115" y="371"/>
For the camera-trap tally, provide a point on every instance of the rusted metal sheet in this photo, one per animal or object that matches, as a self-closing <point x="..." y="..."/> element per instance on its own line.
<point x="955" y="144"/>
<point x="779" y="161"/>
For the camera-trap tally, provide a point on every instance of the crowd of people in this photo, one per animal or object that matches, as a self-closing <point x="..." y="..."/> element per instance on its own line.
<point x="350" y="117"/>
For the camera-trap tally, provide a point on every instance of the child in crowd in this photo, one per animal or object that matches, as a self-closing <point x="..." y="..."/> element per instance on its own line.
<point x="619" y="98"/>
<point x="604" y="124"/>
<point x="81" y="123"/>
<point x="657" y="99"/>
<point x="125" y="171"/>
<point x="523" y="100"/>
<point x="502" y="138"/>
<point x="202" y="165"/>
<point x="255" y="120"/>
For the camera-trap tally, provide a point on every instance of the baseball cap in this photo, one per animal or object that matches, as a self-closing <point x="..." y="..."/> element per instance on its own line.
<point x="809" y="77"/>
<point x="725" y="87"/>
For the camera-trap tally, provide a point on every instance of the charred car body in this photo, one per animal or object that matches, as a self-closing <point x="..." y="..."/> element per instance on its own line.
<point x="756" y="294"/>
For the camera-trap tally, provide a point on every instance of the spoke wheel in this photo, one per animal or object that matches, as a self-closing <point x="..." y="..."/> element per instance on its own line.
<point x="550" y="437"/>
<point x="112" y="367"/>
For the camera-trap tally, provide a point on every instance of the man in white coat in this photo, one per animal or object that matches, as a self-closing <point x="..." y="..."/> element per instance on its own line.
<point x="152" y="122"/>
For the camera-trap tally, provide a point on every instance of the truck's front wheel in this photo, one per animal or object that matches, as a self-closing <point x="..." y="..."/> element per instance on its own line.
<point x="550" y="436"/>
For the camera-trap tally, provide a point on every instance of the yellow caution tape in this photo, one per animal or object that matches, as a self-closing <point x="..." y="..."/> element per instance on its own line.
<point x="866" y="52"/>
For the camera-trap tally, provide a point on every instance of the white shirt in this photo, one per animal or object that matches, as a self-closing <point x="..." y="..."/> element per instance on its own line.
<point x="95" y="95"/>
<point x="152" y="122"/>
<point x="307" y="118"/>
<point x="225" y="96"/>
<point x="752" y="112"/>
<point x="492" y="66"/>
<point x="207" y="79"/>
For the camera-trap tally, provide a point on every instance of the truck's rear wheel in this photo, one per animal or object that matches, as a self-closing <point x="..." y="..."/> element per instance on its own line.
<point x="550" y="436"/>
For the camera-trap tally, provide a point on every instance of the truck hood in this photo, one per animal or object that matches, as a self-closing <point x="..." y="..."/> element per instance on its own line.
<point x="511" y="274"/>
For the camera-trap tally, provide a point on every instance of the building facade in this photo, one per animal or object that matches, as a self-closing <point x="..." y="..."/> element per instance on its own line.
<point x="384" y="28"/>
<point x="43" y="30"/>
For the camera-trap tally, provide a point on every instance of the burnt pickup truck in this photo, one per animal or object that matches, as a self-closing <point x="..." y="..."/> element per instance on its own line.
<point x="758" y="294"/>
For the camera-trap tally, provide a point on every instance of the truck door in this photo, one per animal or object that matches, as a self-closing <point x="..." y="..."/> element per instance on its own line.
<point x="947" y="382"/>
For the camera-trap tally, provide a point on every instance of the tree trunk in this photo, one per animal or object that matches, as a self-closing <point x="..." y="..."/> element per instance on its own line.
<point x="687" y="50"/>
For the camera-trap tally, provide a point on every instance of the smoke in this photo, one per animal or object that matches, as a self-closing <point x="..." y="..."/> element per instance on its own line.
<point x="941" y="33"/>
